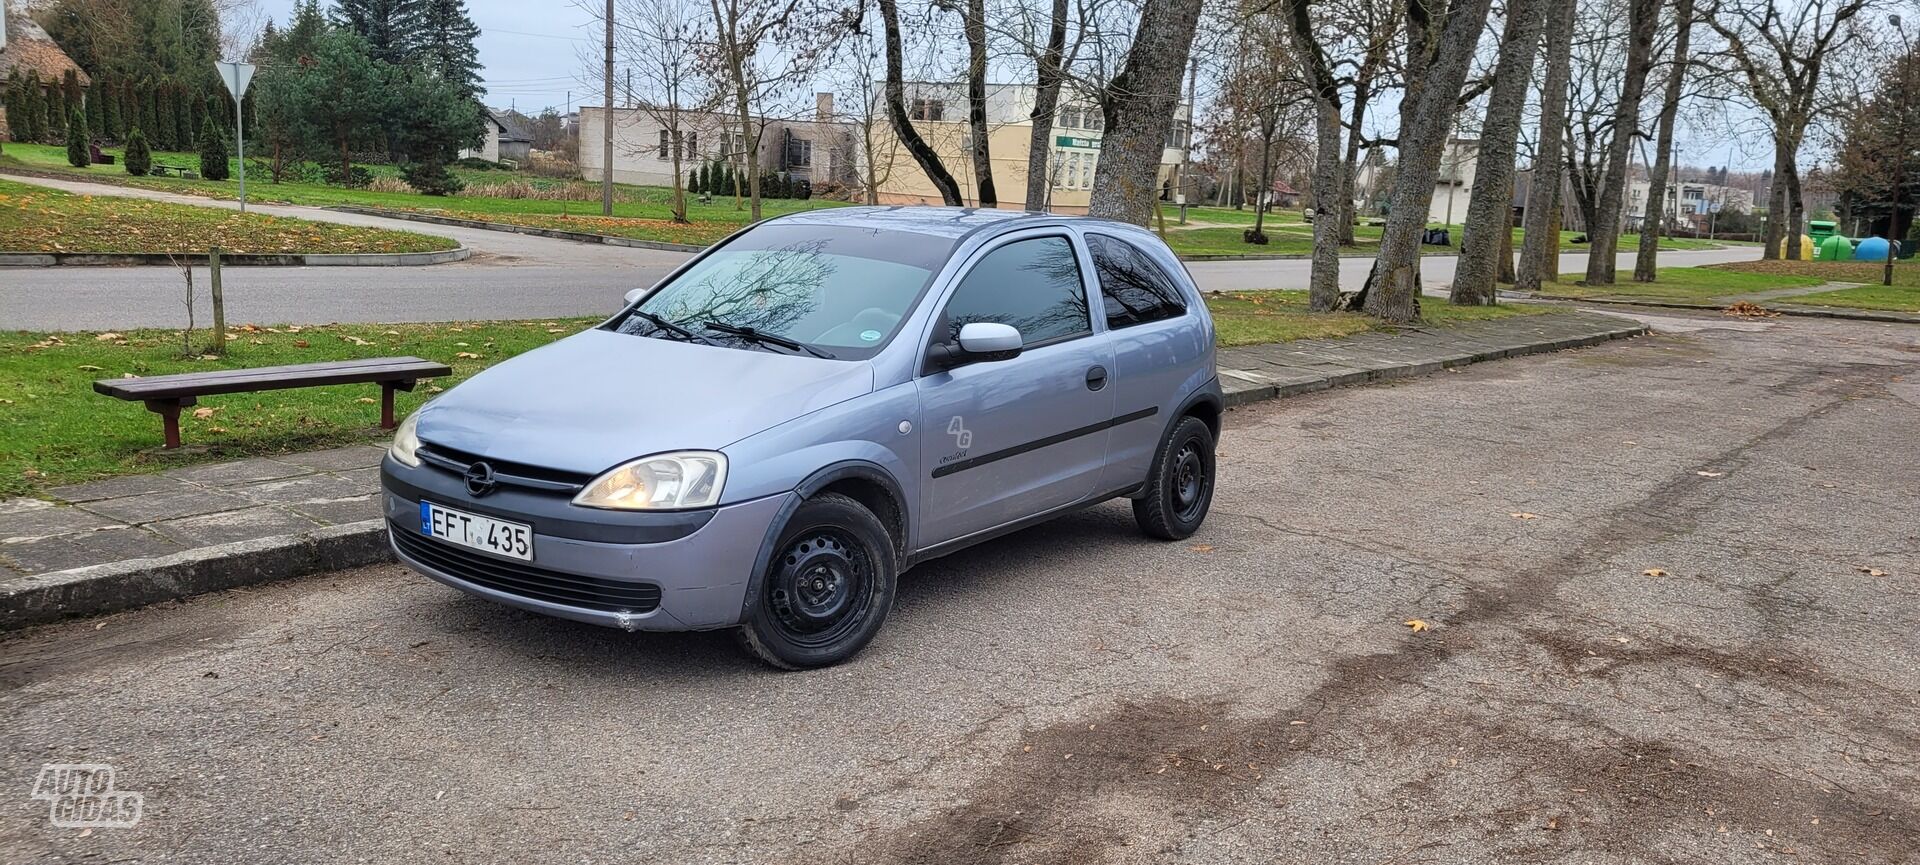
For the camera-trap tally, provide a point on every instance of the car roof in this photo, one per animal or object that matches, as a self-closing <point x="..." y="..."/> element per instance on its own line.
<point x="949" y="222"/>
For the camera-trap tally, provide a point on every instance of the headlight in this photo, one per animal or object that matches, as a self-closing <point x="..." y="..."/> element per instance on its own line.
<point x="682" y="479"/>
<point x="406" y="442"/>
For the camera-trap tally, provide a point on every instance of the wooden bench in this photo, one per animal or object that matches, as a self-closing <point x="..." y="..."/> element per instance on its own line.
<point x="167" y="394"/>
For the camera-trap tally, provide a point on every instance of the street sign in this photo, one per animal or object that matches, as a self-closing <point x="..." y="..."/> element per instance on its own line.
<point x="1072" y="141"/>
<point x="237" y="76"/>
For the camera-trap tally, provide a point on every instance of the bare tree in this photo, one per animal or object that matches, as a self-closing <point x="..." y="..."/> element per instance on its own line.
<point x="1488" y="231"/>
<point x="974" y="24"/>
<point x="757" y="56"/>
<point x="856" y="72"/>
<point x="1139" y="106"/>
<point x="1646" y="262"/>
<point x="896" y="98"/>
<point x="1782" y="48"/>
<point x="1331" y="185"/>
<point x="1643" y="18"/>
<point x="1050" y="73"/>
<point x="1440" y="44"/>
<point x="1541" y="238"/>
<point x="661" y="40"/>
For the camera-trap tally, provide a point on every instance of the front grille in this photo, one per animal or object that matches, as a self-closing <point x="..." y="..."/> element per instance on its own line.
<point x="527" y="581"/>
<point x="504" y="471"/>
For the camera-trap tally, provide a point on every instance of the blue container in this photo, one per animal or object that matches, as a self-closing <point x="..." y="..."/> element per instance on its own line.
<point x="1871" y="249"/>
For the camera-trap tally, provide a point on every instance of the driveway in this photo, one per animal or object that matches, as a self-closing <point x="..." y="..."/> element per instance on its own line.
<point x="513" y="276"/>
<point x="1650" y="636"/>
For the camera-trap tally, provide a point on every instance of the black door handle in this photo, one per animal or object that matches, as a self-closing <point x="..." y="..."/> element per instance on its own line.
<point x="1096" y="378"/>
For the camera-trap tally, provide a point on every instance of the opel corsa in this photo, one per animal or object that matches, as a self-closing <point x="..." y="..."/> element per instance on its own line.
<point x="769" y="436"/>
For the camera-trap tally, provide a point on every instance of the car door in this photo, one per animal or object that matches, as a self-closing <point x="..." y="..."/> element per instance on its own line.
<point x="1155" y="348"/>
<point x="1011" y="438"/>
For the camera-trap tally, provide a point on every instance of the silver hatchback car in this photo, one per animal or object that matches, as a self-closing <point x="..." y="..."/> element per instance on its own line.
<point x="769" y="436"/>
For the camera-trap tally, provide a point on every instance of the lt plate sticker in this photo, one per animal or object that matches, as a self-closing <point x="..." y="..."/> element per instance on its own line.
<point x="870" y="335"/>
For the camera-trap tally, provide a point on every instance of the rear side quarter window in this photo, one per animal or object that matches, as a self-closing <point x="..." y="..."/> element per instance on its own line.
<point x="1134" y="289"/>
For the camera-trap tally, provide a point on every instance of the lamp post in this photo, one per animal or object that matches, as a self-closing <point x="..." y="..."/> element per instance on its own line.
<point x="1905" y="62"/>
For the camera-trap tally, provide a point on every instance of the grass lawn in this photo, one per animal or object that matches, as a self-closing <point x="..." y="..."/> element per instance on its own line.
<point x="59" y="431"/>
<point x="1288" y="233"/>
<point x="518" y="197"/>
<point x="37" y="219"/>
<point x="1253" y="317"/>
<point x="1683" y="284"/>
<point x="1903" y="295"/>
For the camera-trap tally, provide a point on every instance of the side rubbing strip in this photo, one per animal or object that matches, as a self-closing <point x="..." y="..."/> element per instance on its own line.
<point x="1036" y="444"/>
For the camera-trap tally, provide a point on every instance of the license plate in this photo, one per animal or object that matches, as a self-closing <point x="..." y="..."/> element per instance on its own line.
<point x="502" y="538"/>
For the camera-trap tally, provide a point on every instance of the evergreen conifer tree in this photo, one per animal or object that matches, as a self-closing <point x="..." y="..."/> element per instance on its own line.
<point x="138" y="159"/>
<point x="78" y="155"/>
<point x="213" y="151"/>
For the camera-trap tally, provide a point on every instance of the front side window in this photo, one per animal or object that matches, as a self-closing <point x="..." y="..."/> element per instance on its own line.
<point x="662" y="153"/>
<point x="840" y="289"/>
<point x="1133" y="288"/>
<point x="1033" y="285"/>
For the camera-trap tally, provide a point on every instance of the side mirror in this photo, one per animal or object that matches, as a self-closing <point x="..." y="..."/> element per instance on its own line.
<point x="989" y="338"/>
<point x="980" y="341"/>
<point x="635" y="294"/>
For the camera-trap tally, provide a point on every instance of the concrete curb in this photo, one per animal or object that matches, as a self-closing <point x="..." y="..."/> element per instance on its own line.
<point x="125" y="585"/>
<point x="236" y="259"/>
<point x="558" y="234"/>
<point x="1238" y="394"/>
<point x="117" y="586"/>
<point x="1784" y="308"/>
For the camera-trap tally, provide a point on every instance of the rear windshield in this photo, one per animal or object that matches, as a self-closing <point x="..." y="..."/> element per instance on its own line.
<point x="841" y="289"/>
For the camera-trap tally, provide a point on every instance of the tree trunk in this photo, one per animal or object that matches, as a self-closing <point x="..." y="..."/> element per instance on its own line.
<point x="1774" y="241"/>
<point x="1646" y="263"/>
<point x="1350" y="163"/>
<point x="897" y="113"/>
<point x="1139" y="106"/>
<point x="1796" y="211"/>
<point x="1393" y="293"/>
<point x="1046" y="99"/>
<point x="1556" y="212"/>
<point x="1267" y="130"/>
<point x="976" y="29"/>
<point x="1604" y="234"/>
<point x="1505" y="272"/>
<point x="1488" y="231"/>
<point x="680" y="179"/>
<point x="1332" y="178"/>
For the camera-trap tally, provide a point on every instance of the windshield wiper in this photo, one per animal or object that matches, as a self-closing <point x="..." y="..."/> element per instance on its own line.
<point x="666" y="326"/>
<point x="764" y="338"/>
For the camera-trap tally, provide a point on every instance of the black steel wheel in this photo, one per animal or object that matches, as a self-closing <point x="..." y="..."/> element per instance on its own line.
<point x="827" y="588"/>
<point x="1179" y="486"/>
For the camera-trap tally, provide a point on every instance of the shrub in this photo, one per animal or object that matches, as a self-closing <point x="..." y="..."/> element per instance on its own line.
<point x="138" y="158"/>
<point x="693" y="180"/>
<point x="78" y="155"/>
<point x="475" y="163"/>
<point x="213" y="151"/>
<point x="391" y="184"/>
<point x="431" y="177"/>
<point x="355" y="178"/>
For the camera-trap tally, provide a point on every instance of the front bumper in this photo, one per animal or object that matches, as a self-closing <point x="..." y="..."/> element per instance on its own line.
<point x="667" y="571"/>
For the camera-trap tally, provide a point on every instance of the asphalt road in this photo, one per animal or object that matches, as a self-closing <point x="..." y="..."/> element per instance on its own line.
<point x="511" y="276"/>
<point x="1650" y="638"/>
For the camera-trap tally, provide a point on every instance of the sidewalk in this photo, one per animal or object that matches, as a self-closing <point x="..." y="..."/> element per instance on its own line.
<point x="129" y="541"/>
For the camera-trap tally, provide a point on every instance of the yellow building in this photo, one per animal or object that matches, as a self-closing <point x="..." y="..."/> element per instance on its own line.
<point x="939" y="112"/>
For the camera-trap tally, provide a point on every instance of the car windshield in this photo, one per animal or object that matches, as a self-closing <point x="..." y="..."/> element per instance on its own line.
<point x="836" y="290"/>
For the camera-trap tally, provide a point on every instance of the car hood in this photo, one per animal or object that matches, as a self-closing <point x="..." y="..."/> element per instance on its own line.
<point x="598" y="398"/>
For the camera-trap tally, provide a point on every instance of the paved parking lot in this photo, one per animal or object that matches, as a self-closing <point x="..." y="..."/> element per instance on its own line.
<point x="1670" y="588"/>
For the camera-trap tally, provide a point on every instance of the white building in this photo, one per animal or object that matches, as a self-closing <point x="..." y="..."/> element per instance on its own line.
<point x="820" y="150"/>
<point x="504" y="140"/>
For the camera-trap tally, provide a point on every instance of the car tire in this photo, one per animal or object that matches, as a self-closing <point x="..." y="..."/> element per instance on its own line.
<point x="828" y="586"/>
<point x="1179" y="487"/>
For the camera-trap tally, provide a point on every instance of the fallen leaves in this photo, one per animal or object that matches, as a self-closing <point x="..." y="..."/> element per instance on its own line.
<point x="203" y="413"/>
<point x="109" y="336"/>
<point x="1201" y="548"/>
<point x="1654" y="572"/>
<point x="1871" y="571"/>
<point x="1418" y="625"/>
<point x="1707" y="474"/>
<point x="1523" y="515"/>
<point x="89" y="368"/>
<point x="467" y="355"/>
<point x="1748" y="309"/>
